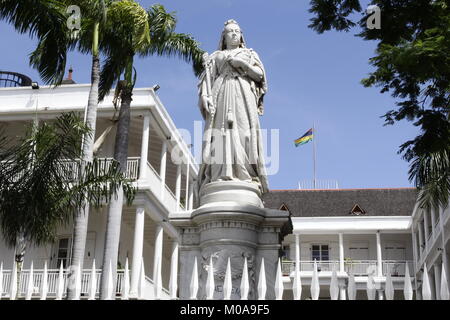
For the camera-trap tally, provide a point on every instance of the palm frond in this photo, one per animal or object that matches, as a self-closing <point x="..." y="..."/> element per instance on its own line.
<point x="161" y="22"/>
<point x="130" y="20"/>
<point x="111" y="71"/>
<point x="45" y="19"/>
<point x="179" y="45"/>
<point x="431" y="175"/>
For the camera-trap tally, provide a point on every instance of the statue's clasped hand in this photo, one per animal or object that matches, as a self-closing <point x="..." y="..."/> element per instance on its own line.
<point x="237" y="62"/>
<point x="208" y="104"/>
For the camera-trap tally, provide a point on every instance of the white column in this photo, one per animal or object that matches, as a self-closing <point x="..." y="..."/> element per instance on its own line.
<point x="178" y="186"/>
<point x="144" y="147"/>
<point x="173" y="286"/>
<point x="415" y="254"/>
<point x="297" y="248"/>
<point x="341" y="252"/>
<point x="433" y="219"/>
<point x="425" y="224"/>
<point x="162" y="168"/>
<point x="379" y="256"/>
<point x="380" y="294"/>
<point x="186" y="197"/>
<point x="291" y="255"/>
<point x="432" y="277"/>
<point x="158" y="251"/>
<point x="342" y="293"/>
<point x="421" y="240"/>
<point x="414" y="245"/>
<point x="191" y="195"/>
<point x="437" y="280"/>
<point x="138" y="246"/>
<point x="444" y="248"/>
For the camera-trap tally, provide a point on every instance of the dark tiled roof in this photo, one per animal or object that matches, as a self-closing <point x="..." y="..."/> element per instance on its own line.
<point x="324" y="203"/>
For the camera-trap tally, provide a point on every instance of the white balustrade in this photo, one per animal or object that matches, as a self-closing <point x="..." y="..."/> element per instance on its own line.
<point x="37" y="283"/>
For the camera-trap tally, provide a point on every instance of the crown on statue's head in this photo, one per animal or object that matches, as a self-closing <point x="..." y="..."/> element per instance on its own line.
<point x="231" y="21"/>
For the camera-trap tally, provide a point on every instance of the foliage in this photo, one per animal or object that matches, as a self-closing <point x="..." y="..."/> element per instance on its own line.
<point x="43" y="183"/>
<point x="412" y="62"/>
<point x="142" y="33"/>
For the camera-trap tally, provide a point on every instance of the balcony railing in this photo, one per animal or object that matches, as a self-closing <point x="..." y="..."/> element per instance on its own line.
<point x="355" y="267"/>
<point x="104" y="163"/>
<point x="133" y="163"/>
<point x="52" y="283"/>
<point x="289" y="266"/>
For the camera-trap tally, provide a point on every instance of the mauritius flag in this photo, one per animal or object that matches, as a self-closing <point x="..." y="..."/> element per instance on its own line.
<point x="308" y="136"/>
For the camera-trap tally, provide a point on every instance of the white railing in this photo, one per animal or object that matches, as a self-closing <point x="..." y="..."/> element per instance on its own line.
<point x="132" y="171"/>
<point x="289" y="266"/>
<point x="318" y="184"/>
<point x="360" y="267"/>
<point x="355" y="267"/>
<point x="148" y="289"/>
<point x="52" y="282"/>
<point x="397" y="268"/>
<point x="104" y="163"/>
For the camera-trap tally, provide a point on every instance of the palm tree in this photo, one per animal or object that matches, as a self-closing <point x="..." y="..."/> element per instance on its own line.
<point x="43" y="183"/>
<point x="88" y="43"/>
<point x="131" y="31"/>
<point x="47" y="20"/>
<point x="430" y="172"/>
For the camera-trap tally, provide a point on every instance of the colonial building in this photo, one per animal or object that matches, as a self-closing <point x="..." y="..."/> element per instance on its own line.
<point x="358" y="232"/>
<point x="163" y="186"/>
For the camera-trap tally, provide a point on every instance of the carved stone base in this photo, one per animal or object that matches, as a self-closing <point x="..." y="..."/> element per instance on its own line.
<point x="229" y="229"/>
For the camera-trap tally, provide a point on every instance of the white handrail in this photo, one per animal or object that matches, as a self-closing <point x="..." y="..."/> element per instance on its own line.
<point x="356" y="267"/>
<point x="52" y="282"/>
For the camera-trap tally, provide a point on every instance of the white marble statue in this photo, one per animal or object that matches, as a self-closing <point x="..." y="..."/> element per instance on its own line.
<point x="231" y="92"/>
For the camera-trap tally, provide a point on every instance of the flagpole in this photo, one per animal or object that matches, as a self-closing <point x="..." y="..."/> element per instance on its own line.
<point x="314" y="153"/>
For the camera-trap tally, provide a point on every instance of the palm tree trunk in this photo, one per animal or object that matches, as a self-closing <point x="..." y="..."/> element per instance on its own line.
<point x="82" y="218"/>
<point x="19" y="255"/>
<point x="112" y="237"/>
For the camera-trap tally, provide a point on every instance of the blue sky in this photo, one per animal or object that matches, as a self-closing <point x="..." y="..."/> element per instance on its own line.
<point x="311" y="78"/>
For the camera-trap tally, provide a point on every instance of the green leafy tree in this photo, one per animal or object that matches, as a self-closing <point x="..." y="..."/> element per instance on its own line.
<point x="412" y="62"/>
<point x="44" y="182"/>
<point x="131" y="31"/>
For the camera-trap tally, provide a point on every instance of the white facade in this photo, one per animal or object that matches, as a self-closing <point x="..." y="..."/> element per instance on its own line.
<point x="431" y="243"/>
<point x="163" y="186"/>
<point x="360" y="245"/>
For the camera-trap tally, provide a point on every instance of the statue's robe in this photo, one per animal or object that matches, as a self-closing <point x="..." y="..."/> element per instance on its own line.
<point x="237" y="99"/>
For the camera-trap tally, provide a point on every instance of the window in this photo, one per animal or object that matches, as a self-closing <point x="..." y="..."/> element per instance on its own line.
<point x="320" y="252"/>
<point x="285" y="252"/>
<point x="357" y="210"/>
<point x="63" y="251"/>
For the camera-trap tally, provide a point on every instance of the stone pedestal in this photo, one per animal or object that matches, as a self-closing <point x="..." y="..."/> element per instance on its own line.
<point x="231" y="223"/>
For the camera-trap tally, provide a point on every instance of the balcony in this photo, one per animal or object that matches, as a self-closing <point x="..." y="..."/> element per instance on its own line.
<point x="356" y="267"/>
<point x="152" y="180"/>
